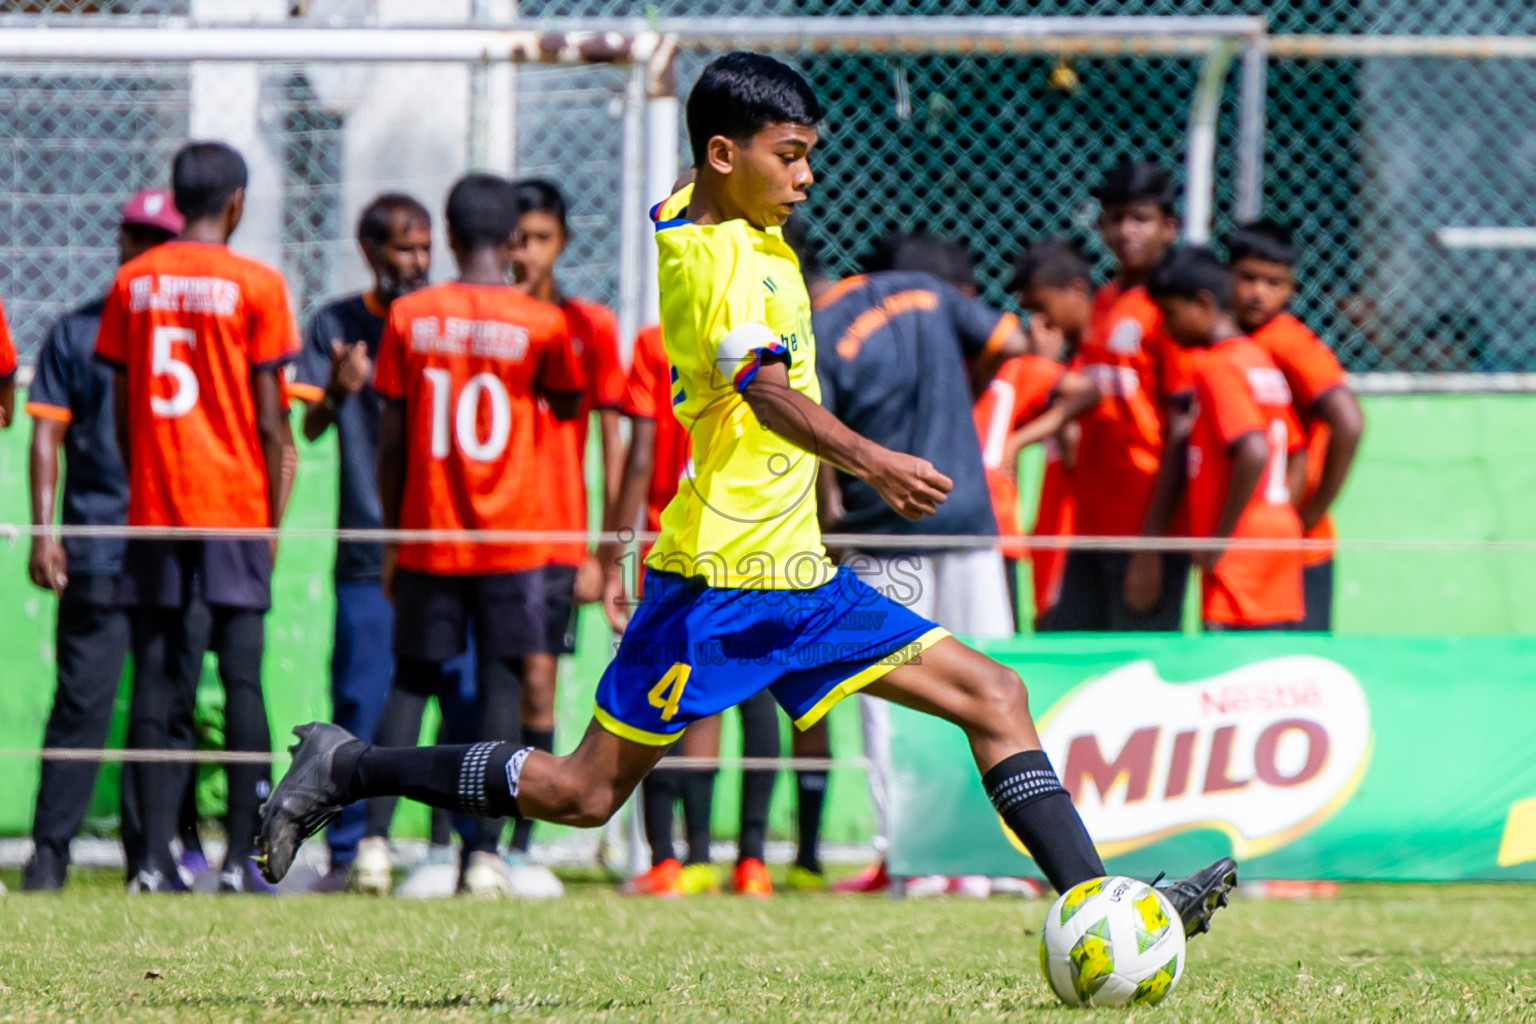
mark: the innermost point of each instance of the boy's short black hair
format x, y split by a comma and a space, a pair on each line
945, 258
1049, 263
203, 177
742, 93
540, 195
1188, 270
376, 221
482, 211
1137, 181
1265, 239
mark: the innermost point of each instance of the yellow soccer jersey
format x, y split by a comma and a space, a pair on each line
731, 293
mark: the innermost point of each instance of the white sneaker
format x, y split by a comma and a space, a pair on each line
1026, 888
371, 868
484, 875
436, 877
528, 880
976, 887
923, 886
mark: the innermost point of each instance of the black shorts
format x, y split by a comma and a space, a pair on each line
559, 609
1317, 592
1093, 596
175, 573
433, 612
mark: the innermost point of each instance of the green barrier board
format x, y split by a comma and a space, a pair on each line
1305, 757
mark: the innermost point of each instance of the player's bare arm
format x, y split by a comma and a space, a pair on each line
1340, 409
1250, 455
7, 403
1074, 396
350, 369
1144, 573
46, 564
908, 484
273, 434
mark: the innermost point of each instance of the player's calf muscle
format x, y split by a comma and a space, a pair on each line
554, 789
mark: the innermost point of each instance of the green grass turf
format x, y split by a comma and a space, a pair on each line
1390, 953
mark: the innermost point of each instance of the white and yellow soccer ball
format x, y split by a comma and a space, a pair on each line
1112, 942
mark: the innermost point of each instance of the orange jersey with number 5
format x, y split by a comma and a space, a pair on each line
469, 362
1240, 391
189, 322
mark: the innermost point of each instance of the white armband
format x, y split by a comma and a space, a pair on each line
743, 341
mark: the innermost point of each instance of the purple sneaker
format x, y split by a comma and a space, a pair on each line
190, 866
245, 877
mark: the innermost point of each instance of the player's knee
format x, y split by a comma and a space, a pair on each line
595, 806
1001, 696
581, 804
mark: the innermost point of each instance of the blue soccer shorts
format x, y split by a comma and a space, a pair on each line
692, 651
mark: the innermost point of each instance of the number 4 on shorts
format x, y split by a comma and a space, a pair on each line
667, 693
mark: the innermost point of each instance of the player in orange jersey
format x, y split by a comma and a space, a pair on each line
1246, 454
573, 576
1121, 485
1262, 259
461, 368
1053, 281
198, 336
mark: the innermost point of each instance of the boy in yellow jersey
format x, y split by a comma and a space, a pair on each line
739, 595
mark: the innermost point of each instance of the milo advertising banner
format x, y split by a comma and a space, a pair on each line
1303, 757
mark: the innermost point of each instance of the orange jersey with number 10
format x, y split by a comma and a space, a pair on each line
469, 361
189, 322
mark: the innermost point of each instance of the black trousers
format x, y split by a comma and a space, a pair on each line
160, 717
1093, 596
91, 641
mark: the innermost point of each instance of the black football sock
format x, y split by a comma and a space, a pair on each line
442, 827
538, 739
399, 728
759, 738
658, 797
478, 779
698, 803
811, 796
1031, 801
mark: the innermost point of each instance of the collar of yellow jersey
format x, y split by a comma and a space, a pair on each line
669, 212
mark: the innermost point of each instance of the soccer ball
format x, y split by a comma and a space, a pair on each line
1112, 942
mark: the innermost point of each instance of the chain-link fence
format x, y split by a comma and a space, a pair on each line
1369, 157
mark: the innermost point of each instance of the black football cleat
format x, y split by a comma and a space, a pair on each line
306, 799
1199, 896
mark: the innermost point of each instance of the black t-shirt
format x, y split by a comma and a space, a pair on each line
357, 428
72, 385
890, 352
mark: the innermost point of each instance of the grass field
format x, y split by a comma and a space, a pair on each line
1389, 953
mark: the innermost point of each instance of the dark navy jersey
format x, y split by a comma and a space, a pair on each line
73, 387
891, 351
349, 320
